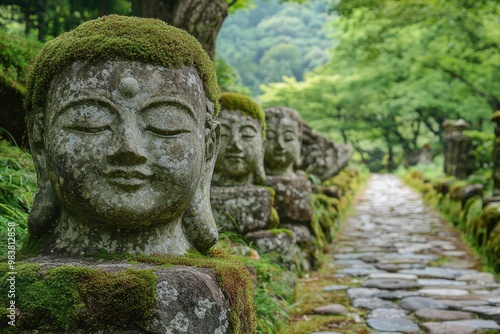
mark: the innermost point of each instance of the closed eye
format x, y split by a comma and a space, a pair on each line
165, 132
89, 129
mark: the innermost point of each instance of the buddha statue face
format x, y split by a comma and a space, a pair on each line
283, 144
125, 142
240, 155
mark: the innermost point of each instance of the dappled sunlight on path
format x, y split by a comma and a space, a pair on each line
398, 267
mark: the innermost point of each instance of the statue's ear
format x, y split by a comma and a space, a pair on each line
198, 221
45, 208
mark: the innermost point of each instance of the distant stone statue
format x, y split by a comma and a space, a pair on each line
238, 204
120, 113
282, 155
241, 157
283, 141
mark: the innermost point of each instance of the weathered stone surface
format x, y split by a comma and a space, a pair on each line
393, 325
387, 313
358, 271
438, 272
439, 282
335, 287
321, 156
447, 328
332, 309
293, 198
393, 276
396, 294
442, 315
189, 300
390, 267
355, 293
477, 277
283, 141
461, 304
122, 181
240, 161
390, 284
372, 303
490, 311
417, 303
248, 207
443, 292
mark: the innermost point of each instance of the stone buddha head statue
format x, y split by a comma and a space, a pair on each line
120, 115
240, 160
283, 141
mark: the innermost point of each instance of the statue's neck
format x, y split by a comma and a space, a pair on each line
224, 180
77, 236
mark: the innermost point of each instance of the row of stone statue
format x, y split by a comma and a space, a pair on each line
121, 120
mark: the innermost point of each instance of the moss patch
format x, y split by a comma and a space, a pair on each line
245, 104
120, 37
68, 297
233, 278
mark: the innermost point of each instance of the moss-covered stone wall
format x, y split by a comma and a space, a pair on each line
464, 206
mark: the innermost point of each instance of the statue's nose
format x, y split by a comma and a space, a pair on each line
128, 147
235, 143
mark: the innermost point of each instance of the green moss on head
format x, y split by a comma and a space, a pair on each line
112, 37
245, 104
496, 117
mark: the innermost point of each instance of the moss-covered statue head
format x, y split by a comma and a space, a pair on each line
120, 115
284, 141
241, 159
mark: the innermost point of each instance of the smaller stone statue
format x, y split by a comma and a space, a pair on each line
240, 158
238, 204
282, 153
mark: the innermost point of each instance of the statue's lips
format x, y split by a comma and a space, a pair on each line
128, 179
234, 156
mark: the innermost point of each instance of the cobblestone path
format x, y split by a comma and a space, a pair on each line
400, 268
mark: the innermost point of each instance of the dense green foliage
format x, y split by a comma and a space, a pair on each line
17, 191
16, 54
271, 40
398, 70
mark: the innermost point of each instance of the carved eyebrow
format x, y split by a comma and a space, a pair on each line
170, 101
90, 98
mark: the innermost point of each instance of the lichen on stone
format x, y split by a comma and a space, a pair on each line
233, 278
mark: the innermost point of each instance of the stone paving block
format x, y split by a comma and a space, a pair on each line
387, 313
417, 303
438, 272
439, 282
443, 292
396, 294
332, 309
335, 288
486, 310
447, 328
354, 293
477, 277
372, 303
391, 284
443, 315
393, 325
393, 276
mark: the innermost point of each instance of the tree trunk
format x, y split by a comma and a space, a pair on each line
201, 18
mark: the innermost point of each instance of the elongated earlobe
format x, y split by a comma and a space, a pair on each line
198, 221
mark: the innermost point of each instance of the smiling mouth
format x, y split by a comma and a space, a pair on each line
127, 180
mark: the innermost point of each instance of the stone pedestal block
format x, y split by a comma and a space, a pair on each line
293, 198
88, 296
281, 241
248, 206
